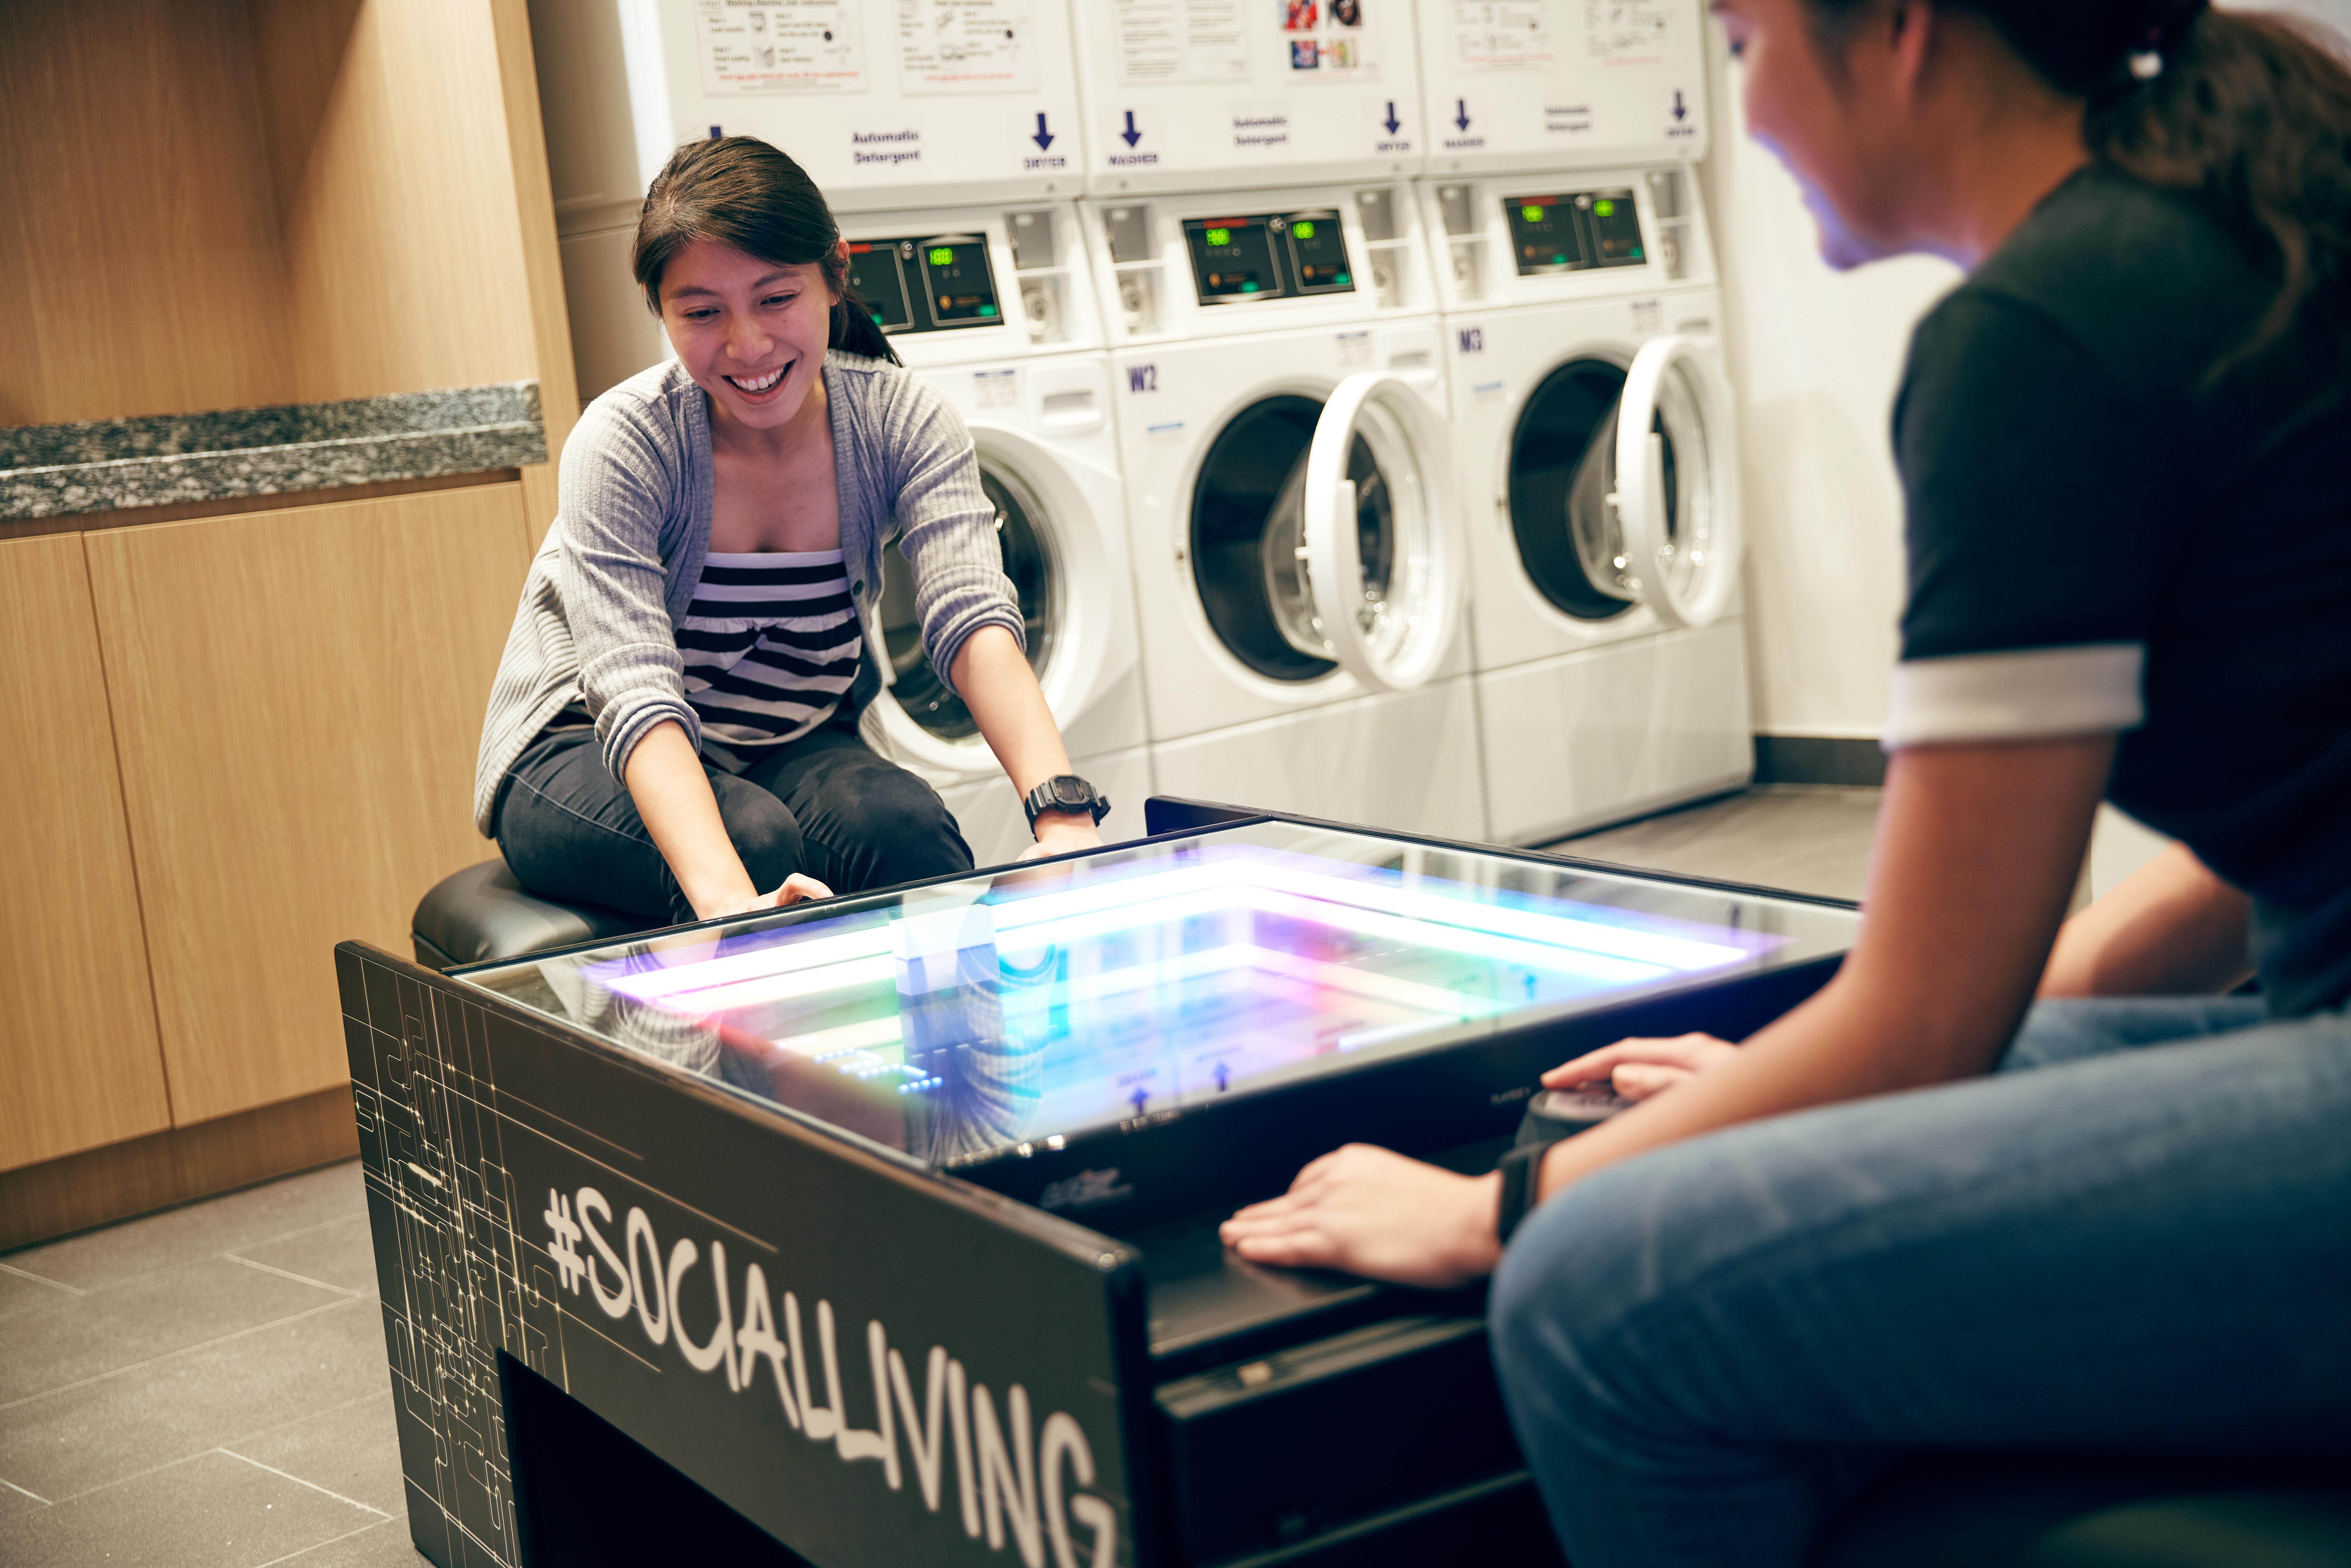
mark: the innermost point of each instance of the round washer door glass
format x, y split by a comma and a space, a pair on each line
1023, 535
1575, 522
1677, 495
1363, 551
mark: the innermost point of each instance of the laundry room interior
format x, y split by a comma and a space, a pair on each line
712, 555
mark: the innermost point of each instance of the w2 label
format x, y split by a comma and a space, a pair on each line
1142, 378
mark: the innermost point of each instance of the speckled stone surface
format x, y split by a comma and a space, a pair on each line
55, 470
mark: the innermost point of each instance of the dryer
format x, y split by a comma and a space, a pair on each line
1582, 322
1294, 502
994, 306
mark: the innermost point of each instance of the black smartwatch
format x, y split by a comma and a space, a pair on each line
1064, 792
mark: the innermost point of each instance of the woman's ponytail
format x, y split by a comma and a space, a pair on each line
741, 191
2251, 111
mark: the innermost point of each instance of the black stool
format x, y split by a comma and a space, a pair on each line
482, 914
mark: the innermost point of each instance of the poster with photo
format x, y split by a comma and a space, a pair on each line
1327, 37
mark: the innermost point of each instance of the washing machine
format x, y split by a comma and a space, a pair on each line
1598, 434
994, 306
1294, 502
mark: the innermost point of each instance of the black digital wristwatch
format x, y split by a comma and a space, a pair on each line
1064, 792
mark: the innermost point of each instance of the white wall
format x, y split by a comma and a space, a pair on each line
1815, 357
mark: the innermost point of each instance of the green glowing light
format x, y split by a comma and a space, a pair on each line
1558, 259
1249, 289
942, 255
1303, 230
1531, 213
987, 309
1605, 208
1345, 279
1637, 253
1220, 236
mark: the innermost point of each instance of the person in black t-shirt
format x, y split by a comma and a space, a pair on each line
1896, 1218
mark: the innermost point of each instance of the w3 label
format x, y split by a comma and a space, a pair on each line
1472, 340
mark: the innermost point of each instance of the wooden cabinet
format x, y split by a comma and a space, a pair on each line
297, 697
79, 1065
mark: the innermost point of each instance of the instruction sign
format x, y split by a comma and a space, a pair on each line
965, 46
778, 46
1163, 41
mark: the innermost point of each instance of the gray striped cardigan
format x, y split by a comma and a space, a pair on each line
608, 590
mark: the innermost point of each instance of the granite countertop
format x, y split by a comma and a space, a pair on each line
57, 470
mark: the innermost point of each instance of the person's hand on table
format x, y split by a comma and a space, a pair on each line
1061, 833
1637, 1069
795, 887
1371, 1212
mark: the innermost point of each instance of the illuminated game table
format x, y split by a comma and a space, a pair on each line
884, 1228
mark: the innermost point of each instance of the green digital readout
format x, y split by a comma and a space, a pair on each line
1303, 228
1605, 208
941, 256
1220, 236
1532, 214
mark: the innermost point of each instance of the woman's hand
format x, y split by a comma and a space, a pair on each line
796, 888
1061, 832
1637, 1069
1377, 1214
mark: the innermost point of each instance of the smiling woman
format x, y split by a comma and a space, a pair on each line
674, 728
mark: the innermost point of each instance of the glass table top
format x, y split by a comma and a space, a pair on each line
1026, 1005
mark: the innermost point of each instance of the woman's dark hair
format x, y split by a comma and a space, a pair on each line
740, 192
2249, 111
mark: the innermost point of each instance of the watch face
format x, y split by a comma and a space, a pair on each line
1073, 791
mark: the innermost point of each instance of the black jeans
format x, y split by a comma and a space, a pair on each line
823, 805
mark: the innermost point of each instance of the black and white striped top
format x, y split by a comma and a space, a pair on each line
770, 644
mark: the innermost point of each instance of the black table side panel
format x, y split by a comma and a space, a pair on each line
480, 1128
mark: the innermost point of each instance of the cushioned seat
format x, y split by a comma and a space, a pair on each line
2040, 1511
482, 914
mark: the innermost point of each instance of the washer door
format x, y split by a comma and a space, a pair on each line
1585, 538
1054, 560
1362, 553
1676, 498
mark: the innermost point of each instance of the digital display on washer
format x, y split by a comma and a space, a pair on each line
1574, 231
958, 1020
1268, 255
925, 283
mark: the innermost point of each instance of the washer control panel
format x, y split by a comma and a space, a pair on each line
925, 284
1574, 231
1268, 256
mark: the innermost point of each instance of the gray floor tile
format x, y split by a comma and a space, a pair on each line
353, 1449
21, 1291
61, 1444
211, 1511
385, 1545
1809, 837
72, 1338
341, 1255
199, 1230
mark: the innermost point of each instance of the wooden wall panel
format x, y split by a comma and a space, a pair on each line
299, 695
386, 128
138, 229
78, 1065
550, 320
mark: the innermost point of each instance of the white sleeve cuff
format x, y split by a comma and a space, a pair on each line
2028, 695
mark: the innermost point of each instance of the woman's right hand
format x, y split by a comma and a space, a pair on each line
796, 888
1637, 1069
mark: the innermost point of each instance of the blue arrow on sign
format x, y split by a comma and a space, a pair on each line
1680, 111
1392, 122
1130, 135
1461, 112
1044, 138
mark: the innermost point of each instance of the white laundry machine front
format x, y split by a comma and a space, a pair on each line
1293, 501
994, 306
1599, 440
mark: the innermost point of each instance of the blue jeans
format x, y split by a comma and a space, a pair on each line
823, 804
2136, 1236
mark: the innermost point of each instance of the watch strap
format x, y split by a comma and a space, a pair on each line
1521, 1171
